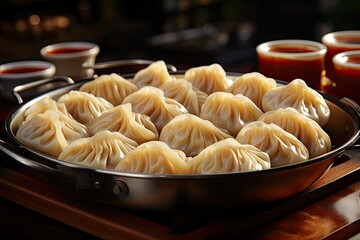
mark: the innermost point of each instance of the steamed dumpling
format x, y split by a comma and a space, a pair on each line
186, 94
229, 155
208, 79
103, 150
154, 157
41, 106
298, 95
305, 129
71, 128
253, 85
152, 102
44, 104
50, 132
121, 119
154, 75
84, 106
191, 134
113, 88
230, 112
283, 147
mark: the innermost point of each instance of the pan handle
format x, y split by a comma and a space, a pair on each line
18, 89
13, 152
121, 63
354, 106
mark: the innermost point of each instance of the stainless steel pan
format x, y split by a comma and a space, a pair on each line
186, 192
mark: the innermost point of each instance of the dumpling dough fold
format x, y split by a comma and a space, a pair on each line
227, 156
230, 112
309, 132
154, 157
50, 132
152, 102
136, 126
298, 95
103, 150
83, 106
191, 134
208, 79
186, 94
154, 75
253, 85
283, 147
113, 88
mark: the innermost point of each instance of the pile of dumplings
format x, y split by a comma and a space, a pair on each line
200, 122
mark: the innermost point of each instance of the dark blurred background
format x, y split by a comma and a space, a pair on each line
181, 32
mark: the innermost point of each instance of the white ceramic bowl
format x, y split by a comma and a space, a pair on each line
69, 58
18, 73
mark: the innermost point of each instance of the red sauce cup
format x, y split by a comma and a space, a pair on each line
337, 42
347, 74
69, 58
18, 73
290, 59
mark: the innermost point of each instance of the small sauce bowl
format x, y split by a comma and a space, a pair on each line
289, 59
347, 75
18, 73
69, 58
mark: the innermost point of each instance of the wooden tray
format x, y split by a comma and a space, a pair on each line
28, 188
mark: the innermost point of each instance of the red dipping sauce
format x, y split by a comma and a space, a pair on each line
347, 75
20, 70
292, 49
66, 50
290, 59
339, 42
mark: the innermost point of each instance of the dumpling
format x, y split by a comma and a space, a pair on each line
121, 119
208, 79
84, 106
50, 132
283, 147
186, 94
309, 132
298, 95
154, 75
41, 106
103, 150
152, 102
113, 88
230, 112
71, 128
229, 155
154, 157
44, 104
191, 134
253, 85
